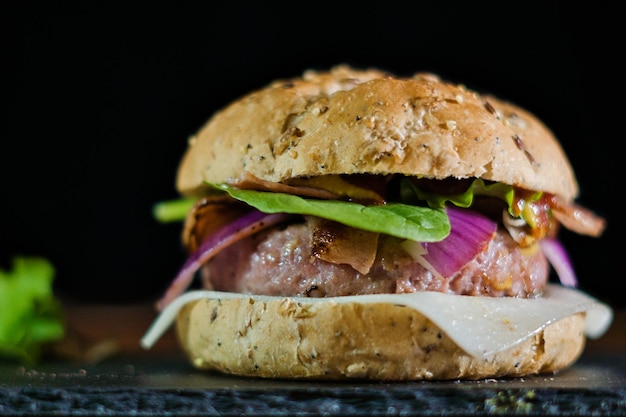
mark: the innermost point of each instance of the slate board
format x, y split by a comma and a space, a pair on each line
594, 386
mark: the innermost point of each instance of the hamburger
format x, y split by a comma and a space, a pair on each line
354, 224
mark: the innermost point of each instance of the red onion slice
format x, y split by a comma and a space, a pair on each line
470, 233
242, 227
560, 261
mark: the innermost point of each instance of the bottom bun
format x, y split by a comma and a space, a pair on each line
281, 338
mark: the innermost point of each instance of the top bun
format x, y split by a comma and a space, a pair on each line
350, 121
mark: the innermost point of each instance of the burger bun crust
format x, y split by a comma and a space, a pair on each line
350, 121
280, 338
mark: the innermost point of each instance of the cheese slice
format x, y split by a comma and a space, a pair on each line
481, 326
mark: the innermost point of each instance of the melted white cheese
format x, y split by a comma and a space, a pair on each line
481, 326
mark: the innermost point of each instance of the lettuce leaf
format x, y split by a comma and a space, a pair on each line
30, 315
410, 192
401, 220
172, 210
405, 221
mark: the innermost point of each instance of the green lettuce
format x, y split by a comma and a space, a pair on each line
172, 210
407, 218
396, 219
410, 192
30, 315
405, 221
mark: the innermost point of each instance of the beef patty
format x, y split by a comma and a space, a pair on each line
281, 262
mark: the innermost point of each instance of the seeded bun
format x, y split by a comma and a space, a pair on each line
280, 338
349, 121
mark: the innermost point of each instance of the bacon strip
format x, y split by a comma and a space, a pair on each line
248, 181
339, 244
577, 218
324, 187
207, 216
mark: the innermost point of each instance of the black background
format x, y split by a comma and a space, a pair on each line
99, 102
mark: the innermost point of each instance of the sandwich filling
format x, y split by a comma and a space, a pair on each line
472, 238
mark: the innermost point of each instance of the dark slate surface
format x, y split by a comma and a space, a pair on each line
360, 401
595, 386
